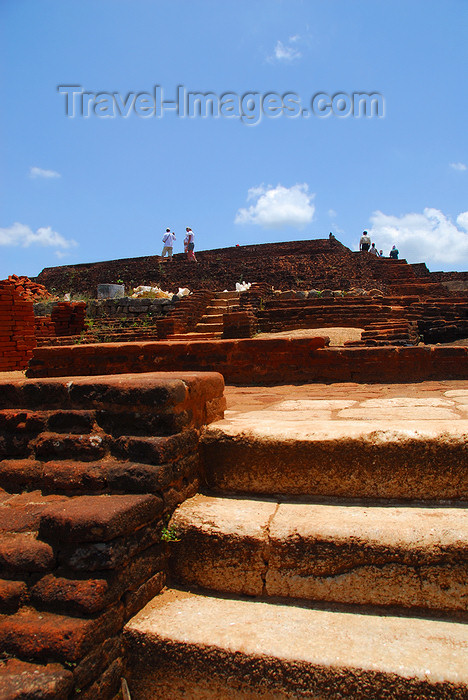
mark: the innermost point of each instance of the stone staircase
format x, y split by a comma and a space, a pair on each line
210, 325
399, 332
326, 559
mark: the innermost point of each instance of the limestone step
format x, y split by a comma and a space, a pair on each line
226, 295
187, 645
212, 318
194, 336
385, 449
219, 306
400, 556
209, 327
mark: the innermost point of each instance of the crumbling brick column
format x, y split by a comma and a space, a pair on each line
17, 333
68, 317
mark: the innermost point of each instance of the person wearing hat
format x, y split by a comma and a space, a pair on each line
168, 240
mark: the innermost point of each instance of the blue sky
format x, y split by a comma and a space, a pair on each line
76, 189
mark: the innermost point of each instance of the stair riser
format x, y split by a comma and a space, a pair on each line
404, 469
350, 572
241, 650
181, 671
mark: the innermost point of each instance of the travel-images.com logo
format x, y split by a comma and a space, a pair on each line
249, 107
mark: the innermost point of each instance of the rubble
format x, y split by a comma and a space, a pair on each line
29, 290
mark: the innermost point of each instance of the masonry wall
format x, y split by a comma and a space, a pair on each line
90, 472
17, 333
258, 361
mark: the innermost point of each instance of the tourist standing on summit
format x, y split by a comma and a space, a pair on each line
394, 253
364, 243
373, 250
168, 240
190, 243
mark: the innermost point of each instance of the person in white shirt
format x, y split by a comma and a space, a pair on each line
190, 244
168, 240
364, 242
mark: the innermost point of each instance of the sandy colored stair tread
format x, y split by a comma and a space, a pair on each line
284, 452
409, 557
222, 543
220, 647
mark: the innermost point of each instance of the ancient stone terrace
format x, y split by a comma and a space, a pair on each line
326, 556
316, 263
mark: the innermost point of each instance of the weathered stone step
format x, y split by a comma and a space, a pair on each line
225, 295
185, 645
209, 327
212, 318
422, 455
155, 471
219, 306
413, 557
194, 336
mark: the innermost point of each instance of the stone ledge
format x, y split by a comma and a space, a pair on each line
259, 361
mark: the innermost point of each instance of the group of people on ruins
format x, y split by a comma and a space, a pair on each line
189, 244
366, 245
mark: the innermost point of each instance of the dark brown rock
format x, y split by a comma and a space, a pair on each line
97, 518
12, 593
42, 635
91, 594
111, 555
25, 681
65, 446
22, 552
94, 664
71, 421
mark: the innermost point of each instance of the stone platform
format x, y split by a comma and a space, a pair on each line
326, 556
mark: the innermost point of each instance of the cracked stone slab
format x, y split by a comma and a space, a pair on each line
377, 555
373, 555
222, 543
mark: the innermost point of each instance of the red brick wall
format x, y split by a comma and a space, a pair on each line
68, 317
254, 361
92, 469
17, 334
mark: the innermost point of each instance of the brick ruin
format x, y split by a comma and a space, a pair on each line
90, 476
319, 263
101, 442
17, 332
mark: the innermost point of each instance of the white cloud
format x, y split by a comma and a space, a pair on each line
22, 235
332, 213
40, 172
286, 52
430, 237
277, 207
458, 166
462, 220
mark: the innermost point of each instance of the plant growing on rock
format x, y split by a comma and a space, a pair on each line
169, 534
